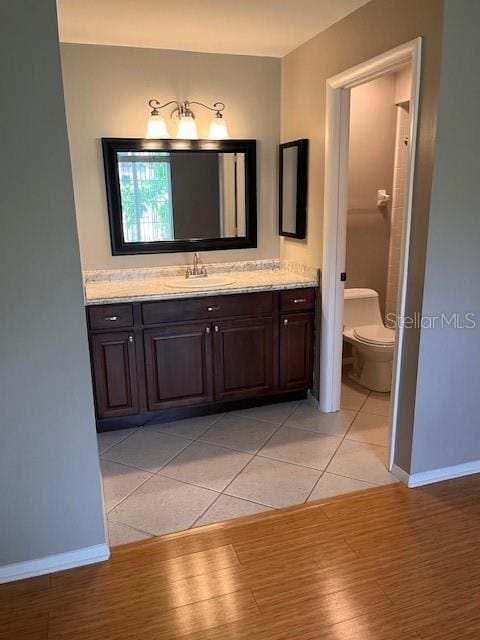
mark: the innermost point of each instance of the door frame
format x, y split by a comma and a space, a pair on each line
335, 218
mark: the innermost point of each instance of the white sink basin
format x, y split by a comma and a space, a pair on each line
210, 282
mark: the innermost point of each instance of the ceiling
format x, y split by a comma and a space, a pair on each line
247, 27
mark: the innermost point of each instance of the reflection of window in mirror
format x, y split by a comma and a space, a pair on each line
293, 188
168, 195
146, 195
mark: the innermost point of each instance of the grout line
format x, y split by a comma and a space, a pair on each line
336, 450
128, 495
129, 466
294, 464
129, 526
192, 526
340, 475
100, 453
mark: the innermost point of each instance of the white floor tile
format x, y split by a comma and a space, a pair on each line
362, 461
369, 427
307, 417
191, 428
301, 447
331, 485
276, 413
108, 439
237, 432
228, 508
353, 395
119, 481
206, 465
274, 483
121, 534
163, 505
378, 403
147, 450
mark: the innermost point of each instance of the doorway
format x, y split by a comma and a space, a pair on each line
335, 221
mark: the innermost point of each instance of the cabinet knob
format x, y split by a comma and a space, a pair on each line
215, 328
213, 308
130, 338
207, 330
285, 322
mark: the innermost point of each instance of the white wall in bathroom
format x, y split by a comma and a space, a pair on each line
106, 93
371, 155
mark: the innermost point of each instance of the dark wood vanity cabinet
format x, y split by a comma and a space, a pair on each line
296, 351
114, 374
243, 357
175, 358
178, 365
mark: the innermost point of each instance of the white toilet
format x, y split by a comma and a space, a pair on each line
373, 344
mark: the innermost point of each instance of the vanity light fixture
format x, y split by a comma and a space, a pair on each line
187, 128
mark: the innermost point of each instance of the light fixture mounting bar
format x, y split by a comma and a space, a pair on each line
184, 107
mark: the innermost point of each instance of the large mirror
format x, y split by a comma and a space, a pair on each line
293, 169
180, 195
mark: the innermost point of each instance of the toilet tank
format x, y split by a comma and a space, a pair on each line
361, 307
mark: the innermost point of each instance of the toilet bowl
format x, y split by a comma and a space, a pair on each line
373, 343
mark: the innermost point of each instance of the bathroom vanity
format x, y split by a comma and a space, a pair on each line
159, 359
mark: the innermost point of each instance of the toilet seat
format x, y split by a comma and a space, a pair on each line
375, 334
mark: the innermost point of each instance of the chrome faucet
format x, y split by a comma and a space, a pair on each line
197, 271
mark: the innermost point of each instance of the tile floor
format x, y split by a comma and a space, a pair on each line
163, 478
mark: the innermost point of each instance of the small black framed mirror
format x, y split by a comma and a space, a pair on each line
166, 196
293, 185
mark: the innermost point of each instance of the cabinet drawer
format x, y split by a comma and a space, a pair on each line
110, 316
297, 300
205, 308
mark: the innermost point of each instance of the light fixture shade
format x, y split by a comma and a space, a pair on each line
156, 127
218, 128
187, 129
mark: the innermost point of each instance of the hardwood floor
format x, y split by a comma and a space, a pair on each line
384, 564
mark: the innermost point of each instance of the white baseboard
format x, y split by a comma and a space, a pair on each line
51, 564
436, 475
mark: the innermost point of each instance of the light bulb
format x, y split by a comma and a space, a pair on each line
187, 129
218, 128
156, 127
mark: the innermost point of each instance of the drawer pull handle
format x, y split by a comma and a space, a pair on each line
299, 300
111, 318
285, 322
214, 308
130, 339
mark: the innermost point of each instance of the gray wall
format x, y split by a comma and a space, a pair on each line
50, 498
447, 422
375, 28
106, 94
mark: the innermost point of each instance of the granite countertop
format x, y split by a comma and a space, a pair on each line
139, 287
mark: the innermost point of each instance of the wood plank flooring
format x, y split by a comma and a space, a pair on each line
384, 564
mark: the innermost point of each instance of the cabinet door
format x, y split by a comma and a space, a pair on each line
114, 374
243, 357
178, 363
296, 351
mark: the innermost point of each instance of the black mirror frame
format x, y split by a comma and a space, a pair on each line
110, 148
302, 189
